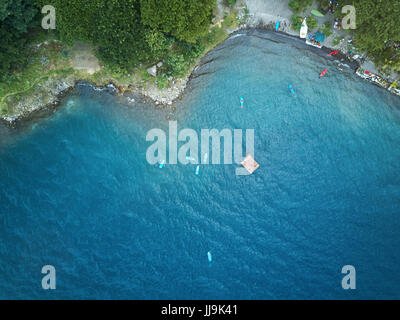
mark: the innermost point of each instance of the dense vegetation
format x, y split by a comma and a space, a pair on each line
378, 27
298, 6
378, 30
127, 33
16, 18
184, 19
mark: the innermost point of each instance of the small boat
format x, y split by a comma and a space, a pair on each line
197, 170
277, 26
323, 73
291, 88
205, 158
304, 29
333, 53
162, 164
241, 102
209, 256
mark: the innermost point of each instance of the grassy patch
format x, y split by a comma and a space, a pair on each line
327, 28
337, 40
45, 60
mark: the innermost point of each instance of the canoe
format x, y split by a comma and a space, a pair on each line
323, 73
277, 26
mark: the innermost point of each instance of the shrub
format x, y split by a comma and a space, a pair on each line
296, 22
176, 64
312, 23
157, 43
162, 81
298, 6
327, 29
336, 40
230, 2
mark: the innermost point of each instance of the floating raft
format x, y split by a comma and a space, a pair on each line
250, 164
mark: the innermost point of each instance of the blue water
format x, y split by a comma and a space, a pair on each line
77, 193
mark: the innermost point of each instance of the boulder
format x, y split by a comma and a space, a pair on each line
152, 71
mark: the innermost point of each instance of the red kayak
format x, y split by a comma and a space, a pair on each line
333, 53
323, 73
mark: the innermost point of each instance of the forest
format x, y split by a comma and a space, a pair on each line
125, 32
131, 32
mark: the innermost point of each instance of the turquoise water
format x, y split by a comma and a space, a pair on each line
77, 193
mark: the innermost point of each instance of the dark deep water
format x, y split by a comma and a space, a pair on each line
76, 191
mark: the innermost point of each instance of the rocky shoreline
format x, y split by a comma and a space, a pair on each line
50, 92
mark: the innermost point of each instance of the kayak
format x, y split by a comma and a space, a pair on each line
277, 26
209, 256
241, 102
162, 163
197, 170
333, 53
291, 88
323, 73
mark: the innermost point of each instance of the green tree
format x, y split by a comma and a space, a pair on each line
16, 17
162, 81
311, 22
378, 22
120, 34
75, 19
296, 22
157, 43
298, 6
184, 19
176, 64
114, 26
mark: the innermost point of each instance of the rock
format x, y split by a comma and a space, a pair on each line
152, 71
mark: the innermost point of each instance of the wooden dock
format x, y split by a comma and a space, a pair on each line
250, 164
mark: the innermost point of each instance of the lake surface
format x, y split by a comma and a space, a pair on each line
76, 191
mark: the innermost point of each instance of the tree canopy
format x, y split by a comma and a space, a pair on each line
378, 21
128, 32
16, 17
377, 29
184, 19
